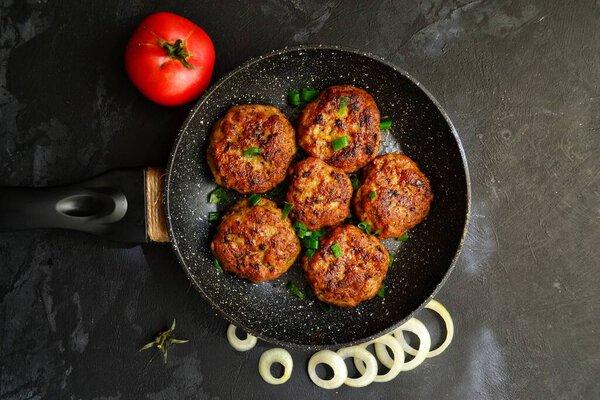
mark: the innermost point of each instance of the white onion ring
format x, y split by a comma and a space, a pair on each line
415, 326
368, 373
438, 308
340, 371
397, 362
276, 355
237, 343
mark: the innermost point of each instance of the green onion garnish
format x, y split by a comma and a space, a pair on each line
311, 243
294, 289
355, 181
301, 229
252, 152
218, 195
344, 101
213, 216
319, 234
403, 238
308, 94
276, 191
364, 226
335, 248
381, 292
310, 252
217, 265
377, 232
254, 199
372, 195
385, 123
391, 260
287, 207
339, 143
294, 97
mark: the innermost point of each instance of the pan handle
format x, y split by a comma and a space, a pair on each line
112, 205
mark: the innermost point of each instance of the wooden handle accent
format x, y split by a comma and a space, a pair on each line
156, 223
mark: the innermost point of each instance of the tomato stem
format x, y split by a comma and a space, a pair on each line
177, 51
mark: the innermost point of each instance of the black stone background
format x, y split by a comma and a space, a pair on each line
520, 80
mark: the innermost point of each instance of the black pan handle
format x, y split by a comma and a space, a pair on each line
112, 205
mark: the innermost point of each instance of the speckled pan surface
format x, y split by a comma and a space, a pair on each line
421, 130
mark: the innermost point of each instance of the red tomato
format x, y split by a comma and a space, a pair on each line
170, 59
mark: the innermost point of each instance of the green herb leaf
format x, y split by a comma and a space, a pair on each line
344, 101
294, 289
385, 123
213, 216
372, 195
217, 265
252, 152
254, 199
287, 207
355, 181
308, 94
294, 97
336, 250
339, 143
403, 238
218, 195
381, 292
163, 340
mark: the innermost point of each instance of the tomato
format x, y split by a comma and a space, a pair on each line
170, 59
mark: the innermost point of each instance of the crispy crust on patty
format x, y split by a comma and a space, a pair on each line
244, 127
353, 277
322, 121
402, 195
254, 242
320, 194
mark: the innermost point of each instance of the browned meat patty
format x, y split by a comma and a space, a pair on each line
319, 193
356, 275
254, 242
328, 118
251, 148
394, 195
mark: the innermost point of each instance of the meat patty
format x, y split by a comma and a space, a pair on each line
329, 117
319, 193
394, 195
356, 275
251, 148
254, 242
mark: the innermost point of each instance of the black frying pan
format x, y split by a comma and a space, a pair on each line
114, 205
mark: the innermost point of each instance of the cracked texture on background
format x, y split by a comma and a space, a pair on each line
520, 81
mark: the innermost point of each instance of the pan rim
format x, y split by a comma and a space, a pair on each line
206, 96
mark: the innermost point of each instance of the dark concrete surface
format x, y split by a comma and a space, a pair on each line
520, 80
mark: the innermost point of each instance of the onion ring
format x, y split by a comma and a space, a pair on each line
237, 343
276, 355
368, 373
396, 363
439, 309
340, 371
415, 326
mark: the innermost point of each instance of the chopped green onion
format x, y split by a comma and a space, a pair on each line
310, 295
310, 252
391, 260
355, 181
311, 243
301, 229
217, 265
294, 97
335, 248
218, 195
252, 152
381, 292
377, 232
344, 101
372, 195
308, 94
319, 233
339, 143
254, 199
287, 207
213, 216
294, 289
385, 123
403, 238
364, 226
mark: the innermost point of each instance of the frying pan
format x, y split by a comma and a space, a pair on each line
113, 205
